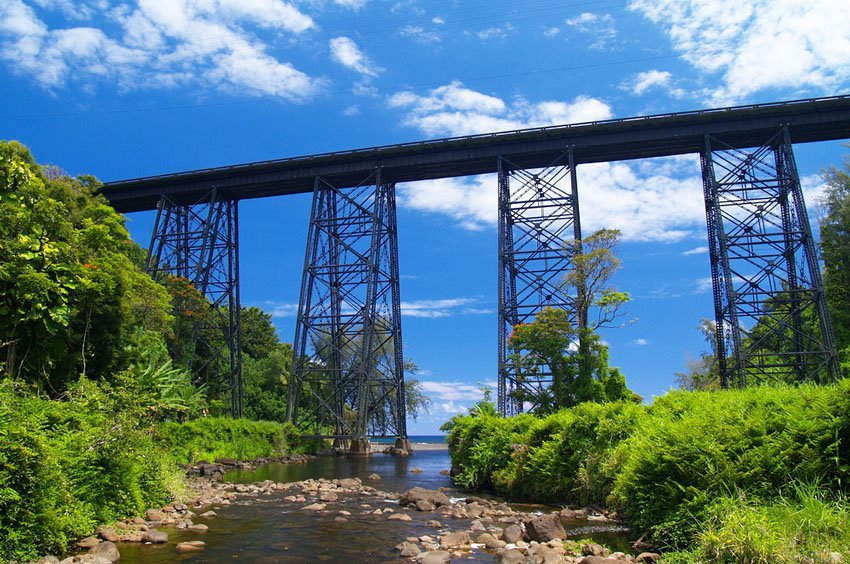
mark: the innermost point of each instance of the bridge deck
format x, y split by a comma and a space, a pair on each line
818, 119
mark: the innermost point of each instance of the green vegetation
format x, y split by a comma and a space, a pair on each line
210, 438
669, 465
574, 355
98, 404
835, 246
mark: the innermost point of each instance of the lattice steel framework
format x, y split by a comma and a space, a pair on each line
538, 214
348, 375
770, 309
199, 242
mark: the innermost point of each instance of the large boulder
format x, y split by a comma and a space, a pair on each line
545, 528
106, 550
512, 534
435, 557
455, 540
154, 536
413, 495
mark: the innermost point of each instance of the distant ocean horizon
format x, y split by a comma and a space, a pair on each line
420, 439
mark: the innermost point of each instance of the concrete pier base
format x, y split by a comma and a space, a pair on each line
359, 447
404, 444
340, 444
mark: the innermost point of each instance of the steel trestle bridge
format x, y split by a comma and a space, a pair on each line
347, 379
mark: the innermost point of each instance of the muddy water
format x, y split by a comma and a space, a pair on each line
268, 529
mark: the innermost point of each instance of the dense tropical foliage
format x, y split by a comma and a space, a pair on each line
100, 398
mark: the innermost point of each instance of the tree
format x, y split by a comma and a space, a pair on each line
72, 298
574, 354
259, 335
835, 246
703, 372
415, 399
549, 343
597, 303
264, 382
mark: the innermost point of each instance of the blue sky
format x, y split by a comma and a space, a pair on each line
127, 89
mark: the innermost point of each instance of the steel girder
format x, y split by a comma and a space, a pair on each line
538, 215
348, 373
772, 320
199, 242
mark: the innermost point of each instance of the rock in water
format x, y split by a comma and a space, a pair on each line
154, 536
545, 528
190, 546
436, 557
512, 534
408, 549
424, 505
454, 540
106, 550
510, 556
399, 517
593, 549
411, 496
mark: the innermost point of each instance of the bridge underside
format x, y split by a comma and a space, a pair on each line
347, 378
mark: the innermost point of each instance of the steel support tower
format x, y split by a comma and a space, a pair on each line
199, 242
772, 320
538, 215
347, 379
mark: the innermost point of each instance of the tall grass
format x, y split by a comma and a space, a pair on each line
210, 438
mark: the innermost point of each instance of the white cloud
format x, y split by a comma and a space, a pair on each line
640, 342
438, 20
158, 44
696, 251
643, 81
495, 32
635, 198
702, 285
351, 111
280, 309
435, 309
449, 408
353, 4
760, 44
551, 31
471, 201
599, 26
453, 109
451, 391
346, 52
420, 34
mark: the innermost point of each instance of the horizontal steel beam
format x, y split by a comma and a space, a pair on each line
818, 119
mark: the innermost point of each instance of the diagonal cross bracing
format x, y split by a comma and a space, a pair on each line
347, 378
772, 320
199, 242
538, 214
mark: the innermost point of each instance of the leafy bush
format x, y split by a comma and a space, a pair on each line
559, 458
67, 465
673, 467
700, 446
209, 438
568, 455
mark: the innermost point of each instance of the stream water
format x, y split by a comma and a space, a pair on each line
267, 529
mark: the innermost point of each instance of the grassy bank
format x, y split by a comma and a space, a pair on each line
95, 456
673, 467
